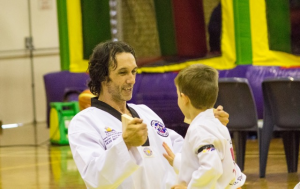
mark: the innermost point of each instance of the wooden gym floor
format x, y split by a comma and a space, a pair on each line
23, 164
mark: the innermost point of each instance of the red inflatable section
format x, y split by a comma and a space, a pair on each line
189, 28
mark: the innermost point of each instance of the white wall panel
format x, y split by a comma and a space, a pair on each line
15, 91
14, 24
44, 24
43, 65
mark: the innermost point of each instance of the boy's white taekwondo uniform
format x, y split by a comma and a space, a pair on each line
103, 160
207, 159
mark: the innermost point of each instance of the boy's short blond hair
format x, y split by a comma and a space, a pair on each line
200, 83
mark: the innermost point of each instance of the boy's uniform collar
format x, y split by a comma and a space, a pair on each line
206, 113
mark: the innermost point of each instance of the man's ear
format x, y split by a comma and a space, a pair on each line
104, 83
185, 98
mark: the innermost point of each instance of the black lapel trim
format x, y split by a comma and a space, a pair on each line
107, 108
133, 112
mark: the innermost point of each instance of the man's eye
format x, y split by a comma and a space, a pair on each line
122, 73
133, 72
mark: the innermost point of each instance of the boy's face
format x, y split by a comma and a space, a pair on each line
182, 105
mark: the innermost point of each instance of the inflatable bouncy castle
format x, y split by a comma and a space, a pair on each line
171, 34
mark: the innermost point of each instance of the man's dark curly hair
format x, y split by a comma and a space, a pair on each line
103, 57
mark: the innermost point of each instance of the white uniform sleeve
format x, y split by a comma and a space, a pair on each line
98, 167
209, 171
210, 163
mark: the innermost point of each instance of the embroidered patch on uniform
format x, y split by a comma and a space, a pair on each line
240, 178
160, 127
206, 148
111, 135
237, 180
147, 151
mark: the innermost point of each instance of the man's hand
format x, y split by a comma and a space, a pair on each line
221, 115
135, 132
170, 155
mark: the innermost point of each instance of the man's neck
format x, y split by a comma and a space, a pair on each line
117, 105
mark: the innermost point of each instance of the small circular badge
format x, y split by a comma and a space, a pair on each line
147, 151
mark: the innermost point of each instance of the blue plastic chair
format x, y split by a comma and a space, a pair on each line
235, 95
281, 113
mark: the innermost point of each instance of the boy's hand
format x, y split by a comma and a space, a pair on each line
221, 115
170, 155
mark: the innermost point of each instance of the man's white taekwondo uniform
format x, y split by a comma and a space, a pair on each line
102, 158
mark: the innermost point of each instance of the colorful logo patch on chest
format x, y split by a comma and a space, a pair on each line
160, 127
110, 135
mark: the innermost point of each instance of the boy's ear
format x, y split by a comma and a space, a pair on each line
185, 98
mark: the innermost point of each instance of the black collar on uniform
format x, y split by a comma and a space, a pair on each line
107, 108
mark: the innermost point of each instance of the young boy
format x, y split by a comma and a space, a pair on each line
207, 159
